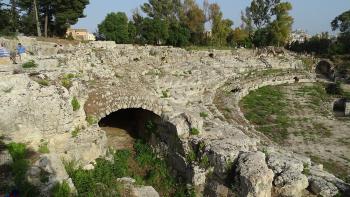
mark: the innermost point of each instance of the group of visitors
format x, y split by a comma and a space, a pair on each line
18, 52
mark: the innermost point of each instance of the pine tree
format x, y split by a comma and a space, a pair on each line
115, 28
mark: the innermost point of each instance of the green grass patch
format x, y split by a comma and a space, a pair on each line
316, 93
75, 104
267, 108
30, 64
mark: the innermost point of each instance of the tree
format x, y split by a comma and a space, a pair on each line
342, 22
261, 12
5, 20
162, 9
239, 37
56, 16
281, 27
115, 28
178, 35
194, 19
154, 31
67, 13
220, 28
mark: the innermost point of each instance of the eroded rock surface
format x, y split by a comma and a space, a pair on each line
179, 86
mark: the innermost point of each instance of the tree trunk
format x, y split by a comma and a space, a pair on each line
14, 15
46, 22
37, 19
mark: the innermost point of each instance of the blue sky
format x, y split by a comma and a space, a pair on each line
311, 15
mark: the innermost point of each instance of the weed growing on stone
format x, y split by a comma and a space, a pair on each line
43, 147
194, 131
30, 64
43, 82
91, 120
75, 104
165, 94
191, 156
75, 132
203, 114
204, 162
67, 80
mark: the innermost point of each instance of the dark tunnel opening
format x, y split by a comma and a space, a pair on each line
124, 126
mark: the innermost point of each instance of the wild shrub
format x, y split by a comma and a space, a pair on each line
30, 64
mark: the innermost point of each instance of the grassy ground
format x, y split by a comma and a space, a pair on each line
299, 117
267, 109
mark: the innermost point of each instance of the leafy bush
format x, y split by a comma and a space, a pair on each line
30, 64
75, 104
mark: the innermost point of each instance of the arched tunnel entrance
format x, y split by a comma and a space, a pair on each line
125, 125
150, 144
324, 69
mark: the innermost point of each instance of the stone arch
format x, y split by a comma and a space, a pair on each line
103, 105
325, 69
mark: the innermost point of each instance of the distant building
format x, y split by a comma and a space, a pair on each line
299, 36
80, 34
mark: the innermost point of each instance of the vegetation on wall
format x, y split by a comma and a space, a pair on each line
142, 165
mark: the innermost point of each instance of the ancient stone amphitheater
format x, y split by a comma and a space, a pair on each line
178, 86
